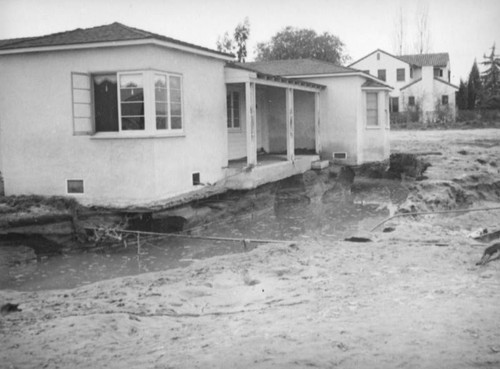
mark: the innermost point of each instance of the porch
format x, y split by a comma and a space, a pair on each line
273, 127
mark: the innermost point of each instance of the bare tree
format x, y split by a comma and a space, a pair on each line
400, 33
423, 36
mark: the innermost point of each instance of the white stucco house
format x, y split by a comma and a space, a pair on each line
420, 81
114, 115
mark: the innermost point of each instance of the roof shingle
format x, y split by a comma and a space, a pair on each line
296, 67
114, 32
420, 60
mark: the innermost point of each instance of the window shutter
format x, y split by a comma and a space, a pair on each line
82, 104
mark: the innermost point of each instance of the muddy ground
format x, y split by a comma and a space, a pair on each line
412, 298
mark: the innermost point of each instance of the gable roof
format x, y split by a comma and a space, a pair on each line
297, 67
115, 32
419, 60
435, 79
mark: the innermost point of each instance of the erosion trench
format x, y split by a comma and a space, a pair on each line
413, 297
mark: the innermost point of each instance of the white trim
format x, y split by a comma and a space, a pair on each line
293, 86
134, 134
95, 45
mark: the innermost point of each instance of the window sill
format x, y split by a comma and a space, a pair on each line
134, 135
234, 130
372, 127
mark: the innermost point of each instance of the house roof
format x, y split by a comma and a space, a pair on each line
297, 67
115, 32
274, 77
373, 83
419, 60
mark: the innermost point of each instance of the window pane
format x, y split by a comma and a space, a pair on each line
131, 81
106, 103
176, 122
161, 123
175, 96
132, 109
160, 94
371, 101
132, 94
161, 108
175, 82
175, 109
371, 118
132, 123
160, 81
236, 121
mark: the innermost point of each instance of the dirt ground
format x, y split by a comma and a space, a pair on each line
412, 298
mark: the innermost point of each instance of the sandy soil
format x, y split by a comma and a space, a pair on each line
413, 298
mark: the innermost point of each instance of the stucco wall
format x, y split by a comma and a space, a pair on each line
40, 151
304, 111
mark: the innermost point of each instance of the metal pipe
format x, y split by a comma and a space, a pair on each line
434, 212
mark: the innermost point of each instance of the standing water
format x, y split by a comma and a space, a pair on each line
290, 210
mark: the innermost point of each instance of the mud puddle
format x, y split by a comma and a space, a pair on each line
297, 209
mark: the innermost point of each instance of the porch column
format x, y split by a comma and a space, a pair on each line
317, 122
290, 126
251, 123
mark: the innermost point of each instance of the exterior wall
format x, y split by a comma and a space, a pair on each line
276, 119
304, 110
40, 151
237, 141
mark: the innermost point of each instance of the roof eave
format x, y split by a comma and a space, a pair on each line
94, 45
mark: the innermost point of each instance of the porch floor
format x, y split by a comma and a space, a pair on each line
270, 168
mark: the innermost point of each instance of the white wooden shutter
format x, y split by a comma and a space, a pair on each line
82, 104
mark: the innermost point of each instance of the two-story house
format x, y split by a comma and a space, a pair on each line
421, 82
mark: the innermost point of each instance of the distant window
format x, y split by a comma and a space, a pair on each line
378, 56
381, 74
75, 186
394, 105
438, 72
371, 109
233, 109
444, 99
411, 101
367, 71
411, 72
400, 74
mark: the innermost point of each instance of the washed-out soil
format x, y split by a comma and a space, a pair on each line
411, 298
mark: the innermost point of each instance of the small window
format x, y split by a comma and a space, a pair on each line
372, 109
444, 99
438, 72
378, 56
233, 109
340, 155
411, 72
394, 105
400, 74
75, 186
196, 179
411, 101
381, 74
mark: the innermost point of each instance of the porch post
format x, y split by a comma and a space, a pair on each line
317, 127
290, 126
251, 123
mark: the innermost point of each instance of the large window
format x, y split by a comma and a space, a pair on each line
138, 101
381, 74
372, 109
233, 109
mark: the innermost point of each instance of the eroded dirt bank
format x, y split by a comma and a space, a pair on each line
412, 298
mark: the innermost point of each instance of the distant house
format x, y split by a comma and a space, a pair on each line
114, 115
421, 82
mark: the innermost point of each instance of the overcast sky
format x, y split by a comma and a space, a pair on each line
466, 29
